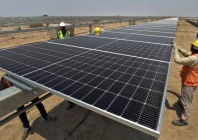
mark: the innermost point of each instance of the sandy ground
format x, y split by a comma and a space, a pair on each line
44, 25
81, 124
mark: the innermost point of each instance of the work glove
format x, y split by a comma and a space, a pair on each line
174, 45
175, 48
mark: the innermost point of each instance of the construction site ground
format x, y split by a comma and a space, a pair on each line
82, 124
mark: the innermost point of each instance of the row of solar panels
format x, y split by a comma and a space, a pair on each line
120, 75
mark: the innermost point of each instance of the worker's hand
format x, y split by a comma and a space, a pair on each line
175, 51
179, 48
174, 46
173, 42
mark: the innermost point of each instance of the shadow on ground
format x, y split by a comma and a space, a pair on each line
81, 124
193, 23
176, 105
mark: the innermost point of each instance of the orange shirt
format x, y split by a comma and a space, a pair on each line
189, 74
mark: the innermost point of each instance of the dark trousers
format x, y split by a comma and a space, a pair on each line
23, 116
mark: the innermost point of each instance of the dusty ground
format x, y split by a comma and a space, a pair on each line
44, 25
97, 127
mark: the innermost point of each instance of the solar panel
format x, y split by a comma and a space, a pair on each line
153, 39
85, 41
110, 74
140, 49
152, 29
111, 35
91, 75
143, 32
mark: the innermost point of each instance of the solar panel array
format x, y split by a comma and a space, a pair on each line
121, 74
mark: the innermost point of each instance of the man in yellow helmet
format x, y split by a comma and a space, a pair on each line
63, 33
98, 30
189, 78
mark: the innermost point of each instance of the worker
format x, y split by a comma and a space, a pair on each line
23, 117
63, 33
90, 27
189, 78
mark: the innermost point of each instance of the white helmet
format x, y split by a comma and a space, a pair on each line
62, 24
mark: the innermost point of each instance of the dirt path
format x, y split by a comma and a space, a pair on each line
97, 127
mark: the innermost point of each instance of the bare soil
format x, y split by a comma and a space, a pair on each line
97, 127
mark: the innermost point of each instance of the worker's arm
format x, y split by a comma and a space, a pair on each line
183, 52
180, 49
188, 61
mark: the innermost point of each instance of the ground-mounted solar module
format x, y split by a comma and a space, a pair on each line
121, 79
153, 39
111, 35
129, 31
152, 29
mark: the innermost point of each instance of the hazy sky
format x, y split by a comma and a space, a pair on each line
99, 7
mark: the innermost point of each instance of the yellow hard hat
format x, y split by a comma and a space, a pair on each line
98, 30
195, 44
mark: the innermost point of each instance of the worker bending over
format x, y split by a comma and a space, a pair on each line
189, 78
63, 33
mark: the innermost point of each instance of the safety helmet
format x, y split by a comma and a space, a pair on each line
98, 30
195, 44
62, 24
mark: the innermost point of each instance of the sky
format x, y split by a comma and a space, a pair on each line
99, 7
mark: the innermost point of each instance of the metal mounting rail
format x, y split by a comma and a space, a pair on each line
20, 85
